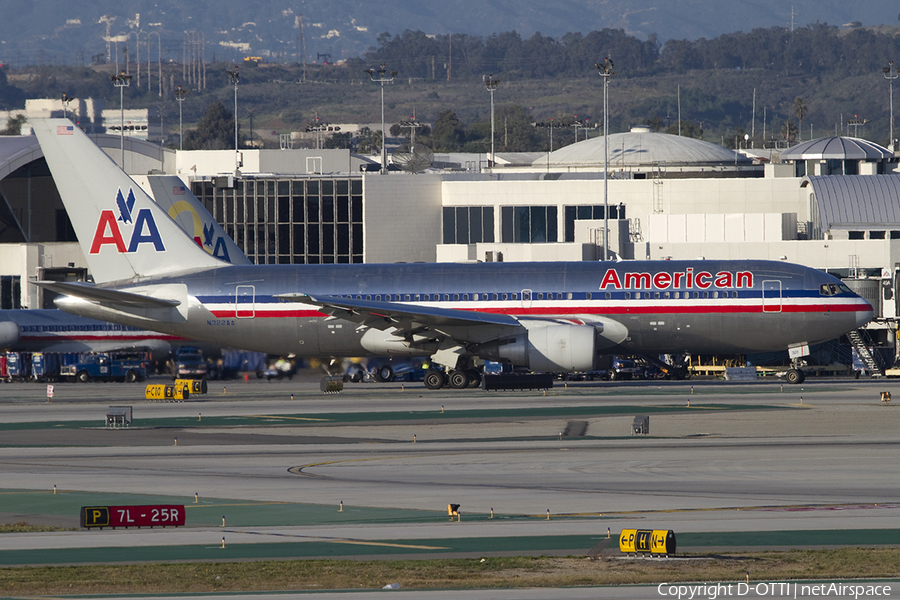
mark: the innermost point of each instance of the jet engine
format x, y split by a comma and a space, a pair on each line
550, 347
9, 334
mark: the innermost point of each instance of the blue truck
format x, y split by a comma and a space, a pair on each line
128, 366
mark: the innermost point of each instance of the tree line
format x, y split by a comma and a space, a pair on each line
814, 49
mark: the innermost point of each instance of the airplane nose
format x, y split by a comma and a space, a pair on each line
864, 315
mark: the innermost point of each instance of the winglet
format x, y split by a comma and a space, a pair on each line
124, 234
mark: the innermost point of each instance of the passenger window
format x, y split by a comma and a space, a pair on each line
715, 294
696, 294
706, 294
540, 295
627, 295
656, 295
667, 295
569, 296
446, 297
504, 296
587, 296
495, 296
475, 297
407, 297
559, 296
637, 295
514, 296
378, 297
465, 296
608, 295
368, 296
456, 297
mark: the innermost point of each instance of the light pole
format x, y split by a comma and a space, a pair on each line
384, 76
891, 74
121, 81
605, 71
491, 85
235, 78
180, 93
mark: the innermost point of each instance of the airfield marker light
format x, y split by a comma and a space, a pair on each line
608, 533
414, 438
292, 397
689, 403
223, 542
458, 514
176, 441
782, 387
224, 391
801, 400
548, 514
492, 512
748, 576
692, 389
442, 409
54, 489
199, 416
341, 509
223, 520
196, 497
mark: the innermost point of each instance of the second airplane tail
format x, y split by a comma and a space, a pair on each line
123, 233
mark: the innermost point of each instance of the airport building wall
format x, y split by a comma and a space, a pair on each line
402, 218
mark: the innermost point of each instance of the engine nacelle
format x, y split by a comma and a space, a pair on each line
9, 334
550, 348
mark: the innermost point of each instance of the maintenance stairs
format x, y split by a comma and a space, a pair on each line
861, 341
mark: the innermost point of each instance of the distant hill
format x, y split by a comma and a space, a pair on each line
71, 31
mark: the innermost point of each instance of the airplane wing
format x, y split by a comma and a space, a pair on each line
104, 295
403, 317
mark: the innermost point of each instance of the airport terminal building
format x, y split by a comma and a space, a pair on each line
833, 204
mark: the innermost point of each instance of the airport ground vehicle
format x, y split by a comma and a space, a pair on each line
127, 366
188, 363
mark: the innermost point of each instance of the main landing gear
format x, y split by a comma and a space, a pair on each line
794, 376
458, 379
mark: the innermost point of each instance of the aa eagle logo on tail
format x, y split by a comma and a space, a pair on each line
143, 229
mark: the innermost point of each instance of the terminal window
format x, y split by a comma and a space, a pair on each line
10, 292
468, 224
290, 221
528, 224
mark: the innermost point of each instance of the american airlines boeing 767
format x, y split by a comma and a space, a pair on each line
558, 317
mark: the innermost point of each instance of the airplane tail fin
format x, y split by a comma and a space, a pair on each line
123, 233
182, 205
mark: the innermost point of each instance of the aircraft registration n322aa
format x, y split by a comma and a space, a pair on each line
558, 317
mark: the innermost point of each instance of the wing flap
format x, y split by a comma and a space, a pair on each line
384, 315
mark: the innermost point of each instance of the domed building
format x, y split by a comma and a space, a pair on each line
641, 154
839, 156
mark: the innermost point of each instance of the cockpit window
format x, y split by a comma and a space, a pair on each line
844, 288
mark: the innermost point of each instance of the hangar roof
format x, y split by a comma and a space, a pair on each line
840, 148
854, 200
642, 147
